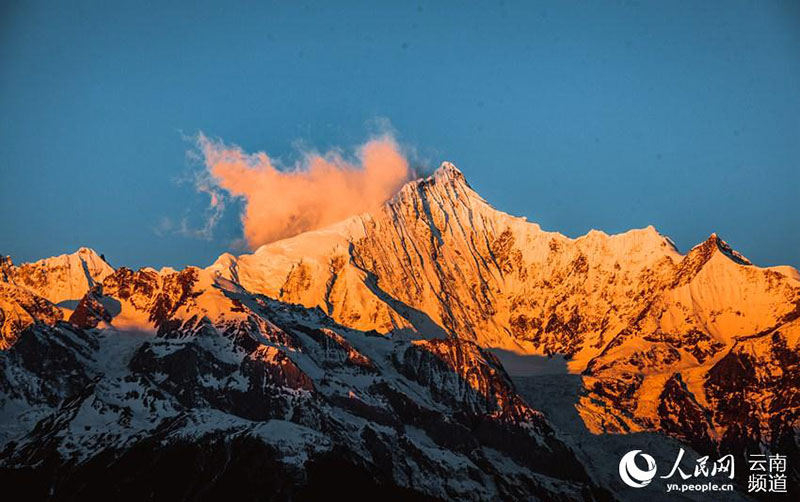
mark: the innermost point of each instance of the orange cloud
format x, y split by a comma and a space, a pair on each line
318, 191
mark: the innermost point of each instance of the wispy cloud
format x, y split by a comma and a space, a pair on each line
281, 201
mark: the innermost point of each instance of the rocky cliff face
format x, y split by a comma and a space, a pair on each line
19, 308
383, 319
47, 290
191, 373
60, 279
648, 327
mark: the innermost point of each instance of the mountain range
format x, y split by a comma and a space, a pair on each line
373, 354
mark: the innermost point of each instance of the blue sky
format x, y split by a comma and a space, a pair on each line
578, 115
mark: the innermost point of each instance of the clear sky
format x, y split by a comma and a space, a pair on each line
684, 115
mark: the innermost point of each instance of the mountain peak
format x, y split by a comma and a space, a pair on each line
84, 251
84, 257
448, 172
716, 244
448, 169
66, 277
445, 183
728, 251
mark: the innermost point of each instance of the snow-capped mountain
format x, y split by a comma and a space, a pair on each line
656, 334
60, 279
47, 289
364, 344
187, 384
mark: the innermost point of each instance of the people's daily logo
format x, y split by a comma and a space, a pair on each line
767, 472
631, 474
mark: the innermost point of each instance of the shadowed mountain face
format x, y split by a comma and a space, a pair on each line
660, 337
364, 344
185, 385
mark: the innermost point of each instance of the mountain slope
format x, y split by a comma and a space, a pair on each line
60, 279
647, 326
157, 370
47, 290
385, 317
437, 258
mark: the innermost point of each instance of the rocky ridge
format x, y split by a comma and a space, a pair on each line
188, 372
700, 346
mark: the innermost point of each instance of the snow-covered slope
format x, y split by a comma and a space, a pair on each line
19, 308
701, 346
47, 290
206, 377
636, 317
62, 280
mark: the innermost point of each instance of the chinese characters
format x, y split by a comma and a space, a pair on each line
767, 473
